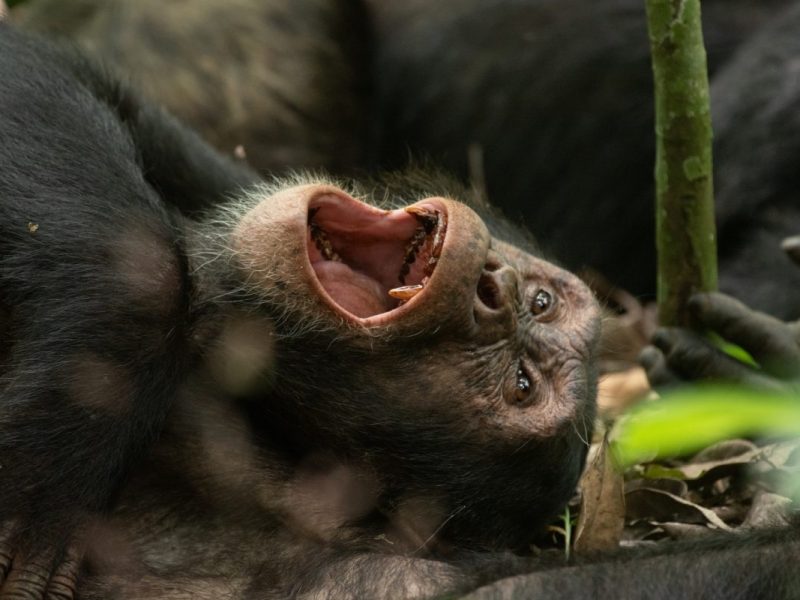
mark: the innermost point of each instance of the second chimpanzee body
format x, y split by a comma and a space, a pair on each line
549, 105
279, 83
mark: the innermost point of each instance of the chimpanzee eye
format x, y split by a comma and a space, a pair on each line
519, 391
523, 387
542, 302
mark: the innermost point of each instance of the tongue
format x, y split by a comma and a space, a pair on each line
355, 292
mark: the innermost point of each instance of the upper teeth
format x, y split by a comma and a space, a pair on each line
414, 244
322, 243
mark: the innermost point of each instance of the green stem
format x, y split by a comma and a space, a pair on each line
686, 234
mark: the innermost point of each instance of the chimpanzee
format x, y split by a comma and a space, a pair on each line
216, 387
442, 375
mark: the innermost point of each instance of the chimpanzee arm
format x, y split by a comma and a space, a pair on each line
353, 578
185, 171
757, 565
379, 576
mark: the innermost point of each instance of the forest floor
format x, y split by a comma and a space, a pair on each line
733, 485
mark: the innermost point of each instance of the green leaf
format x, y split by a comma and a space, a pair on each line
687, 420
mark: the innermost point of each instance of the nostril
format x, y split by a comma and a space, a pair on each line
488, 293
492, 265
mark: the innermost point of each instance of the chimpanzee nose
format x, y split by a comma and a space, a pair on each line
496, 296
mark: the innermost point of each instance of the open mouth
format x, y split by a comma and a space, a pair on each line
371, 261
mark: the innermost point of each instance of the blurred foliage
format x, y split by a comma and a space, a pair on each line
12, 3
567, 518
689, 419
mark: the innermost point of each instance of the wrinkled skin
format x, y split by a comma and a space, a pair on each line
199, 377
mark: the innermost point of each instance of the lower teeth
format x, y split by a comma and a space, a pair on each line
323, 244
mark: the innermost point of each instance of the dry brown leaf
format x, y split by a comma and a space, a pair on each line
618, 391
676, 487
731, 513
657, 505
763, 459
768, 510
724, 450
683, 531
602, 513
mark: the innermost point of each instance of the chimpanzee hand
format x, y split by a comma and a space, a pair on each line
679, 354
46, 571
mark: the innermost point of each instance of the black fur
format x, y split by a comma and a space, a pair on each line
93, 281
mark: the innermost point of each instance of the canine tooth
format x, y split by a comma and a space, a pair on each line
406, 292
420, 211
429, 218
